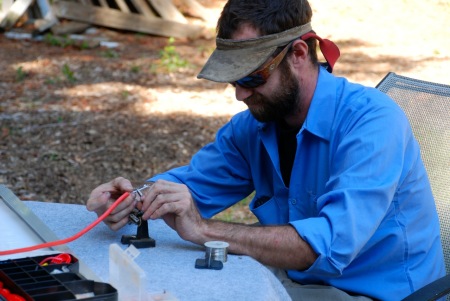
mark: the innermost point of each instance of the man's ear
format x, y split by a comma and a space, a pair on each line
300, 51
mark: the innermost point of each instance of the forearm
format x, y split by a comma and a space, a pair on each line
277, 246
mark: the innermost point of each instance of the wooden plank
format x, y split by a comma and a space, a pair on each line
49, 18
45, 9
123, 6
114, 18
103, 3
143, 8
6, 5
167, 10
42, 25
194, 9
16, 10
69, 27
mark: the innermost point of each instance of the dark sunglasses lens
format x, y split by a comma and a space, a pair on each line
252, 81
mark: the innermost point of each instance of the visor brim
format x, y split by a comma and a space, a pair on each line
235, 59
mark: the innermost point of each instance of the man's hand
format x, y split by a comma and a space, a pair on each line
102, 197
173, 202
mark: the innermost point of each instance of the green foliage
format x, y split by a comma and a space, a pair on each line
125, 94
20, 74
70, 76
170, 59
58, 41
52, 81
110, 54
52, 155
84, 45
135, 69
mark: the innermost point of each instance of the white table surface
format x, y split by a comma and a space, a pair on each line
169, 266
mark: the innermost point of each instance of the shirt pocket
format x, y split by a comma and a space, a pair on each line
268, 210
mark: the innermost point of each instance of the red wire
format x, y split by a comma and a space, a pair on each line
72, 238
59, 259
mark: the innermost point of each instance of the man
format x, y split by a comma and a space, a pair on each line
342, 196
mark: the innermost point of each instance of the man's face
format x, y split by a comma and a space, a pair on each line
278, 97
277, 103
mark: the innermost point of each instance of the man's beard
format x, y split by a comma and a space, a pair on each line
281, 103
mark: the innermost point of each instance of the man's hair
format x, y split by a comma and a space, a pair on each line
267, 17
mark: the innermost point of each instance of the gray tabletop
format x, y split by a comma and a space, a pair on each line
169, 266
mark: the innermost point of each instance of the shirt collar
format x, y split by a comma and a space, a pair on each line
322, 109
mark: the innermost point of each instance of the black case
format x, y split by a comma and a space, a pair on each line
53, 282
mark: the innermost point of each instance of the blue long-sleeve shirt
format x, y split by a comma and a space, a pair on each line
359, 193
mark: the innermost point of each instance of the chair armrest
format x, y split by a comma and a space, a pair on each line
431, 291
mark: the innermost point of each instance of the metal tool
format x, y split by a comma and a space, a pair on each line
138, 191
141, 239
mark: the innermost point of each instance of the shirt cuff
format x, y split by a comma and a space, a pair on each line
317, 233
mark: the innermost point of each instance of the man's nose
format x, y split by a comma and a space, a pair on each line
243, 93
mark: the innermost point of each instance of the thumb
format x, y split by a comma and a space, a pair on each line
98, 201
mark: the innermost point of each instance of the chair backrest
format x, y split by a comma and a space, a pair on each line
427, 106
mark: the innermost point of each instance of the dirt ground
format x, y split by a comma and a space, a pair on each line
72, 118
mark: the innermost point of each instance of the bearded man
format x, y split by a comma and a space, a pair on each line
342, 197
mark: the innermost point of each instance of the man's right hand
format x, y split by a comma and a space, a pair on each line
102, 197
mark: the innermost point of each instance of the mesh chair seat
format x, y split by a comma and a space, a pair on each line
427, 106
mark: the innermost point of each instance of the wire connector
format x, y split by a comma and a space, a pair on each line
138, 192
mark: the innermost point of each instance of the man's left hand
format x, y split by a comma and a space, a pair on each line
173, 202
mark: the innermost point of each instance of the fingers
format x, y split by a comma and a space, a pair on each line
122, 184
118, 219
100, 196
124, 207
173, 202
165, 197
97, 200
164, 204
118, 225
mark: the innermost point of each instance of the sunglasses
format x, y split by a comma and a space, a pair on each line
260, 76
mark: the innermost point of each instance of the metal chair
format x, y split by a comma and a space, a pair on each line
427, 106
